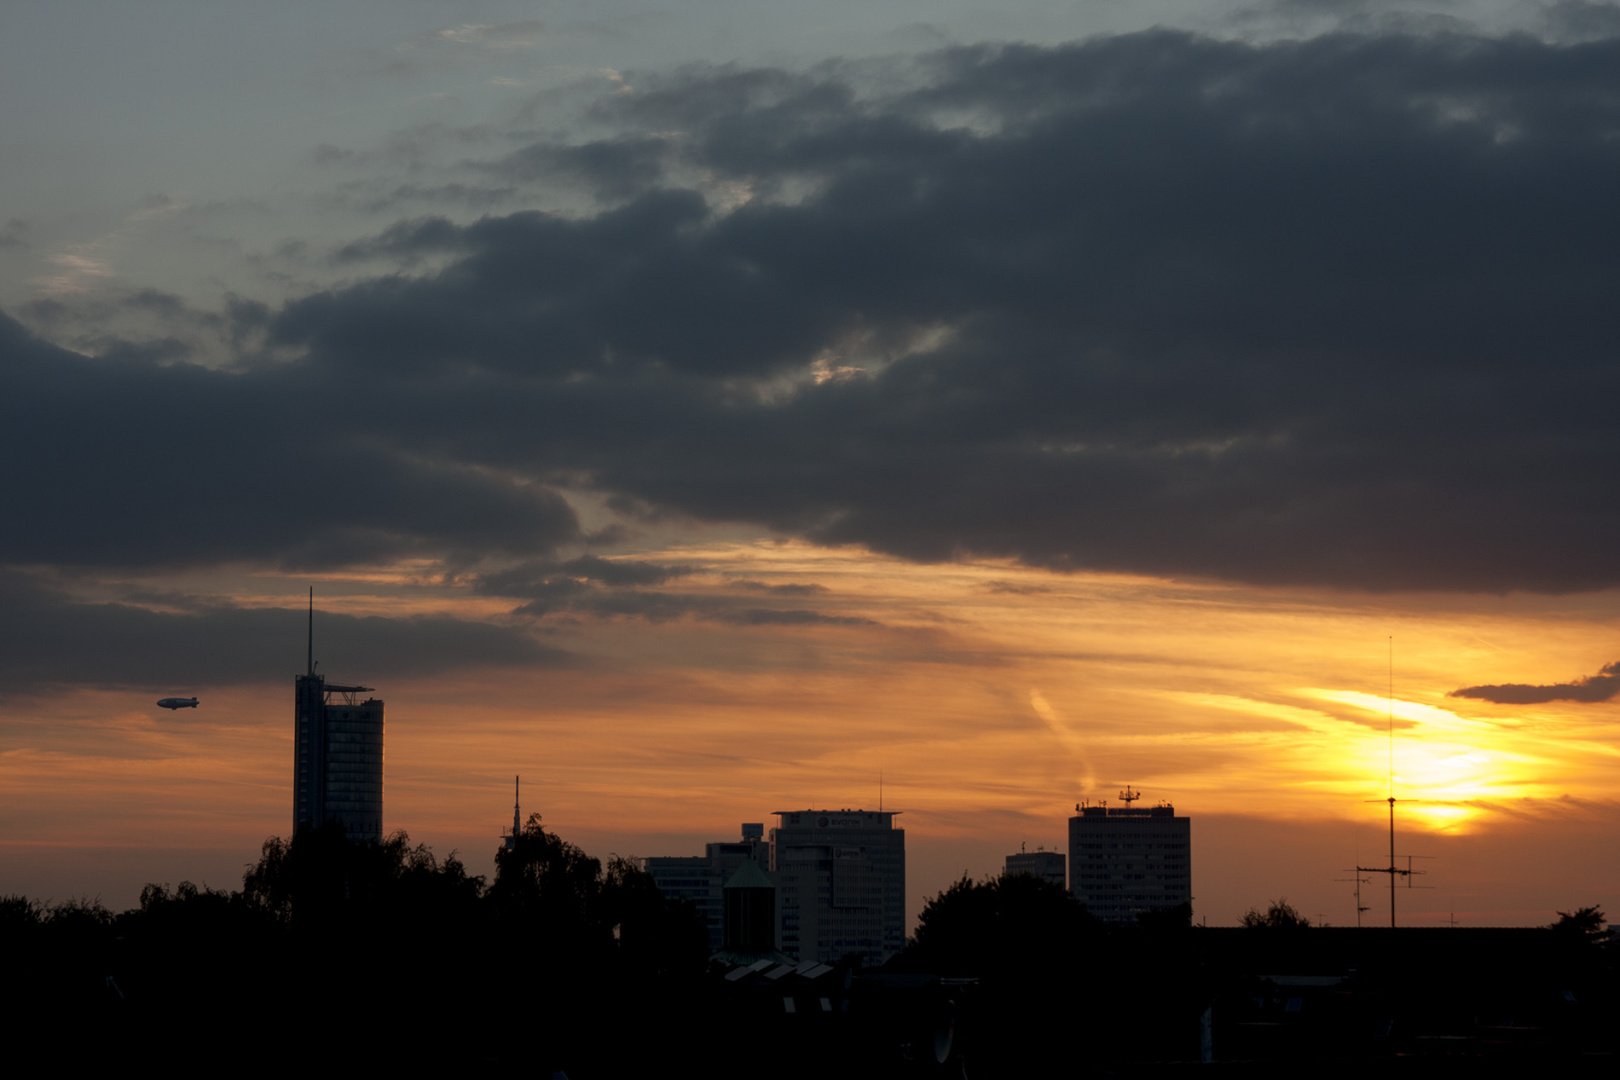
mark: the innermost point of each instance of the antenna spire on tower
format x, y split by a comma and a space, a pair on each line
1392, 718
310, 659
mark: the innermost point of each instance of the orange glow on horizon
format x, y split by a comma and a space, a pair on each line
990, 697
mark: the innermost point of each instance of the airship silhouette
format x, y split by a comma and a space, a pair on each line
178, 703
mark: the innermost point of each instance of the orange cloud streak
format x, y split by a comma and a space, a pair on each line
989, 697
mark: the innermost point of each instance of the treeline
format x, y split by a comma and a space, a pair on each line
366, 953
352, 955
1055, 991
1048, 990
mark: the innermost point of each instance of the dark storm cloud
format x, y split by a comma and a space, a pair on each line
1336, 311
611, 168
244, 319
622, 571
132, 462
1581, 20
789, 589
405, 240
615, 588
54, 640
12, 233
524, 580
327, 154
383, 197
1589, 688
657, 607
157, 302
158, 352
795, 617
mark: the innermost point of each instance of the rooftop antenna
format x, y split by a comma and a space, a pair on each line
880, 791
1390, 698
1392, 870
1360, 881
1128, 796
311, 658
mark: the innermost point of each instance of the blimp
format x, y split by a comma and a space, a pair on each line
178, 703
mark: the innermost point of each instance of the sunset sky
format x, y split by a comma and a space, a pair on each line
712, 409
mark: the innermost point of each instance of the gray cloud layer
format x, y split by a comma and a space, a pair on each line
1590, 688
53, 640
129, 461
1330, 312
613, 588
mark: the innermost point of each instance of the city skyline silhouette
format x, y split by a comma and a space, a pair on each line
960, 413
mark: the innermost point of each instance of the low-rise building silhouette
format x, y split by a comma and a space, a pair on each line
838, 880
702, 878
1046, 865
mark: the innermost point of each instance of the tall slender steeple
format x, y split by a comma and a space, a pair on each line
509, 841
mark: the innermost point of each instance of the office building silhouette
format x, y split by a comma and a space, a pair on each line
840, 884
337, 753
1126, 860
1046, 865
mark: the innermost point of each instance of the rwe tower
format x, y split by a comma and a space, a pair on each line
337, 753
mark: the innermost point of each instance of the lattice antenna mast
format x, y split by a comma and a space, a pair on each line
1360, 881
1391, 700
1392, 870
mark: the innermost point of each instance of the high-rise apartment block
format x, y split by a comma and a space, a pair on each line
337, 754
840, 884
1126, 860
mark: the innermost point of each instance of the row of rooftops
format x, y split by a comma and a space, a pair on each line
775, 970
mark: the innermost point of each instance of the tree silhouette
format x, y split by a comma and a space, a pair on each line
1583, 924
997, 926
1281, 915
655, 933
350, 936
546, 877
